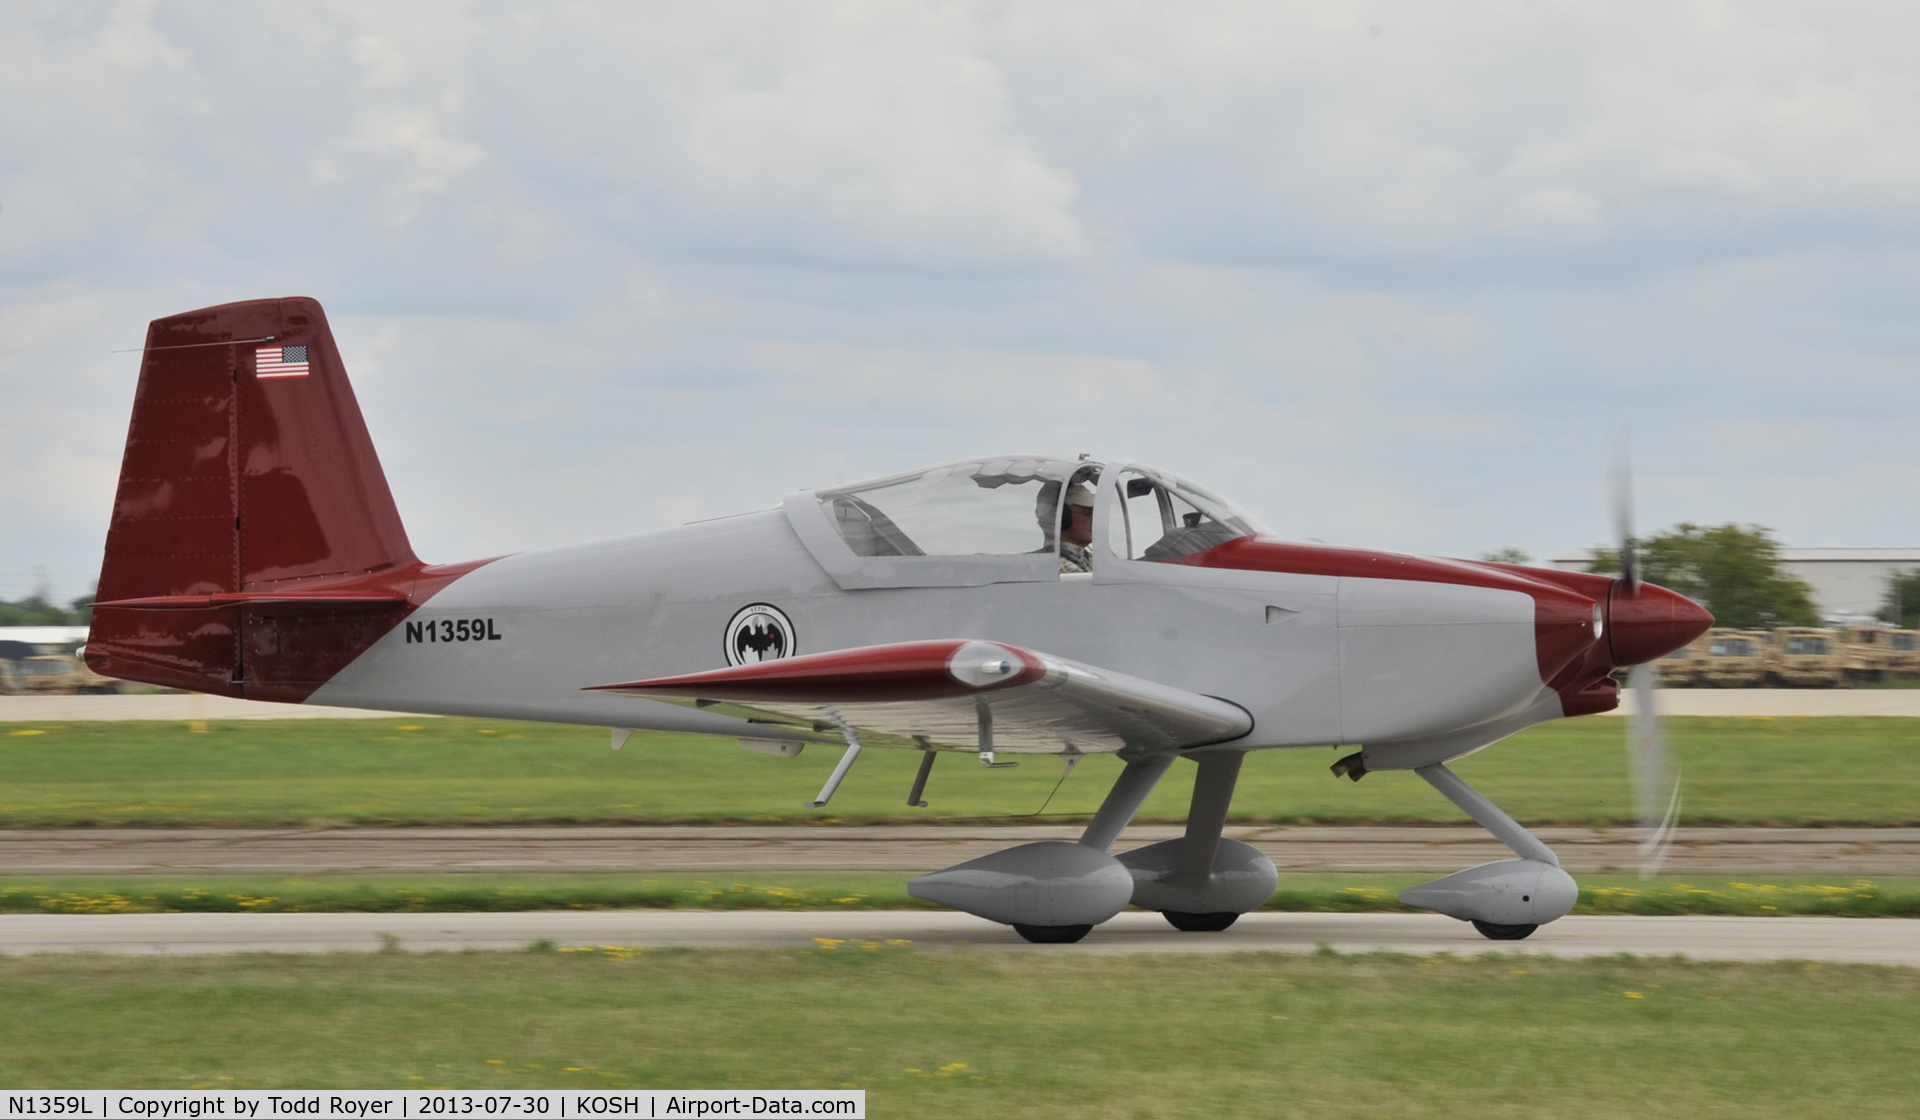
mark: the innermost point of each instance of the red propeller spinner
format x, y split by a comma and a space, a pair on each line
1649, 622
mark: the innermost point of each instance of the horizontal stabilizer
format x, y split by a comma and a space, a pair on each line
946, 691
249, 599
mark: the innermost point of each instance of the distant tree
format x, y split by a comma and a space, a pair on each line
1902, 604
1733, 570
34, 610
1507, 555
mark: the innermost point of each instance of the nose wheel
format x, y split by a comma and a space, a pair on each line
1494, 931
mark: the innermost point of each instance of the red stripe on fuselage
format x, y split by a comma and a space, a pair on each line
1563, 608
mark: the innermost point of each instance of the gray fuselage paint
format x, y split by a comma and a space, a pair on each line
1342, 659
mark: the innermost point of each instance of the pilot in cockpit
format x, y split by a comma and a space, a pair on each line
1076, 524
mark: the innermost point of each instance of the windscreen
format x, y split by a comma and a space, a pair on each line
1163, 516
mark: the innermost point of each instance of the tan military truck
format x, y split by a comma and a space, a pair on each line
1804, 657
1728, 658
61, 674
1865, 656
1903, 653
1678, 669
1876, 653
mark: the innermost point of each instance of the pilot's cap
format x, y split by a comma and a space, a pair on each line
1046, 504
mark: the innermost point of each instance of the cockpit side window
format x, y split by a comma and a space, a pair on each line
988, 507
1162, 517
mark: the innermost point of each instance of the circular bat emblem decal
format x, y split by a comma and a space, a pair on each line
759, 633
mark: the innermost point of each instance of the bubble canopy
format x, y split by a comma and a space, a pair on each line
993, 520
980, 507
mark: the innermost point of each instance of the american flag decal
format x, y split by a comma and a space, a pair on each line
280, 361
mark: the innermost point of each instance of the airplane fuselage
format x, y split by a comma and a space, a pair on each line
1314, 658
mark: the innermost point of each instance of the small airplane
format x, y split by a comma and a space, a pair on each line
1003, 606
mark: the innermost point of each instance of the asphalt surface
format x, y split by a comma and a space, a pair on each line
1858, 940
213, 851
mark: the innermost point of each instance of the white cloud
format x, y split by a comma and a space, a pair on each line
843, 135
1385, 272
1411, 128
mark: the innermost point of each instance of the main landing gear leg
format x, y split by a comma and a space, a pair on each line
1053, 892
1201, 881
1207, 812
1129, 791
1213, 880
1206, 819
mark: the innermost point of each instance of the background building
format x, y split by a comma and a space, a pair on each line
25, 641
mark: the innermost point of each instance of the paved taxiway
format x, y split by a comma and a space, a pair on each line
368, 851
1859, 940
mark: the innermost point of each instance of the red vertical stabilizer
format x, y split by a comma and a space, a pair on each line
254, 548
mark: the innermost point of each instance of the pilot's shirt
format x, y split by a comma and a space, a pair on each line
1074, 558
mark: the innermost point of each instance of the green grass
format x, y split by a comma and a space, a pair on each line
1885, 897
1768, 896
455, 771
967, 1034
102, 894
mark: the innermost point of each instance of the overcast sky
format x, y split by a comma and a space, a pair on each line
1387, 274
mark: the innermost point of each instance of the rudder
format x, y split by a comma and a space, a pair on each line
251, 504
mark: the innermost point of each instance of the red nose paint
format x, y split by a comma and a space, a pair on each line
1651, 623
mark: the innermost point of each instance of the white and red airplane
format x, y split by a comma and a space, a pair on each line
1017, 605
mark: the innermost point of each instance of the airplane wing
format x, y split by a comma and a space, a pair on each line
964, 695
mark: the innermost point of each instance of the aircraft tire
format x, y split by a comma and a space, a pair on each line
1052, 935
1494, 931
1200, 923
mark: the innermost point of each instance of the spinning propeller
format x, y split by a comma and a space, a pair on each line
1656, 778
